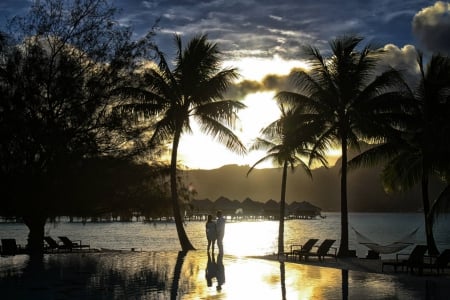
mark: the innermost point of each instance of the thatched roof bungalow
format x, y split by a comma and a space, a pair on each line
253, 209
303, 210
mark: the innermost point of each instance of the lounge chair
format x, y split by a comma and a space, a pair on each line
10, 247
415, 260
323, 250
440, 263
53, 245
298, 250
72, 245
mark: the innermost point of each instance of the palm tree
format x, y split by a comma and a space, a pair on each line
192, 89
419, 148
344, 97
287, 140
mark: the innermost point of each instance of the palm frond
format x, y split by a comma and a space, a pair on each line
163, 131
402, 172
265, 158
223, 111
221, 133
213, 88
261, 144
373, 156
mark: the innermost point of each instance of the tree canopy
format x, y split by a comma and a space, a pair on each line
58, 66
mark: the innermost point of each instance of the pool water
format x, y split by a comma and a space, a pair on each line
178, 275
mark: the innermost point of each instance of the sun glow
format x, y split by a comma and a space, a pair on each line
198, 150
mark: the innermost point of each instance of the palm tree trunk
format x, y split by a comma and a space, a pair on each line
182, 236
431, 243
343, 248
36, 225
282, 208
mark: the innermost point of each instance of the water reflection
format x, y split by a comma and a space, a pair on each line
220, 272
215, 270
344, 284
283, 280
177, 274
181, 275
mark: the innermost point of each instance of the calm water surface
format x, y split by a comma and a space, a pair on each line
242, 238
157, 270
172, 275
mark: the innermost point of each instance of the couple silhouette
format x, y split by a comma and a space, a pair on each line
215, 230
215, 269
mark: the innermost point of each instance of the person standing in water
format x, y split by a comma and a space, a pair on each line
220, 229
211, 232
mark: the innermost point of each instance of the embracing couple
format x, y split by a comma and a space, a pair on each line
215, 230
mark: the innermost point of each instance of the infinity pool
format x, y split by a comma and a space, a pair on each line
175, 275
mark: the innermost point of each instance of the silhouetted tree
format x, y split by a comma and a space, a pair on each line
58, 65
417, 148
194, 88
109, 186
288, 142
344, 98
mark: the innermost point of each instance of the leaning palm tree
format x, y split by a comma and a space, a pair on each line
288, 142
343, 96
418, 149
193, 89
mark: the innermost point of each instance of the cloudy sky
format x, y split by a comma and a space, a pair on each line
263, 40
266, 29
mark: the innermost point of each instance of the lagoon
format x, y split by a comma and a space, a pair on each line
253, 238
157, 270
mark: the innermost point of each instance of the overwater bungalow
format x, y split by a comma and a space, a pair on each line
249, 209
303, 210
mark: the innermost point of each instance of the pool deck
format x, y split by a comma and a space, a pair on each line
359, 265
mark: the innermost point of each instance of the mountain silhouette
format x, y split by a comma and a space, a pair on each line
365, 191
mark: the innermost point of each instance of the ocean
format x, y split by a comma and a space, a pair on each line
245, 238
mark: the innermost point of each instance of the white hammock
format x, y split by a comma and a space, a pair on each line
404, 242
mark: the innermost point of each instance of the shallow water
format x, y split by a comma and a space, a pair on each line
174, 275
242, 238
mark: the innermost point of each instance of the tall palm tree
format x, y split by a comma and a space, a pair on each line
192, 89
418, 149
287, 140
343, 95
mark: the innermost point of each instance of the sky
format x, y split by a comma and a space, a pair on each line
263, 39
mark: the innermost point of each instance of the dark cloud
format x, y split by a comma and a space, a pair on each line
432, 27
270, 82
265, 27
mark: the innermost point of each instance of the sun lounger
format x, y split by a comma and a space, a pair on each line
323, 250
440, 263
10, 247
298, 250
415, 260
53, 245
72, 244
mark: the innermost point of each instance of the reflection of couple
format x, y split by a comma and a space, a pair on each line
215, 231
215, 269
